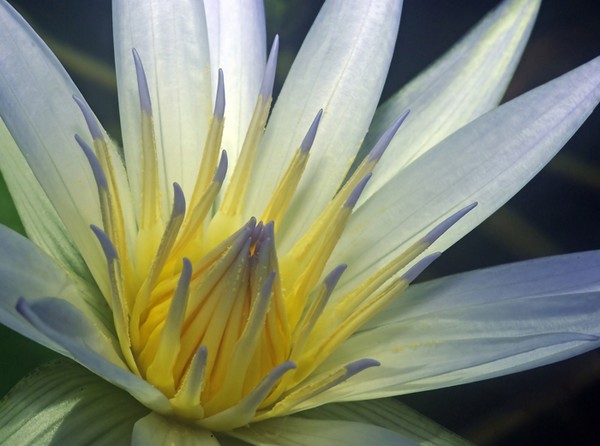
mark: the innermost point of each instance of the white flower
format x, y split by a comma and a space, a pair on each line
225, 297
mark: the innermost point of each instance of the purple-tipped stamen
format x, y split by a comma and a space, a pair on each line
219, 111
178, 303
334, 276
94, 164
90, 119
178, 200
256, 232
348, 371
185, 277
357, 191
419, 267
436, 232
261, 391
250, 225
105, 243
195, 377
308, 140
318, 304
384, 141
358, 366
266, 89
267, 288
143, 90
221, 168
264, 248
268, 232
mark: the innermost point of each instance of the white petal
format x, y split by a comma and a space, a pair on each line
236, 34
479, 67
42, 223
27, 272
155, 430
296, 431
38, 110
390, 414
478, 325
486, 161
62, 403
172, 42
340, 68
548, 276
68, 327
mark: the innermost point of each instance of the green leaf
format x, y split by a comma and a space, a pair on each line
63, 403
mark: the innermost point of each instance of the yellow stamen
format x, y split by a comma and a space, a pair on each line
203, 308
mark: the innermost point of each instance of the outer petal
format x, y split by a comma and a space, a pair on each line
478, 325
37, 108
172, 42
44, 227
42, 223
62, 403
487, 161
155, 430
340, 68
390, 414
479, 67
236, 34
27, 272
296, 431
67, 327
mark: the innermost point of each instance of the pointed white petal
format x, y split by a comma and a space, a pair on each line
69, 328
479, 67
172, 42
478, 325
340, 68
296, 431
155, 430
37, 107
548, 276
487, 161
390, 414
27, 272
62, 403
42, 223
236, 34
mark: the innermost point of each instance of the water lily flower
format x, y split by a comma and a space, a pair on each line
230, 277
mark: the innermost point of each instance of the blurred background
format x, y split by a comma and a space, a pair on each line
558, 212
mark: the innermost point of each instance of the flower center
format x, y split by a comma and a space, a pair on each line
204, 306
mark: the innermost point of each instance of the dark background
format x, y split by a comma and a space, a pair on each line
556, 213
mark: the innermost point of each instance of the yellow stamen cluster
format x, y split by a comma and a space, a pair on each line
203, 307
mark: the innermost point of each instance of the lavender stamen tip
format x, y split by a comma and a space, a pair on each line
419, 267
266, 89
334, 276
178, 200
90, 119
357, 191
97, 171
382, 144
221, 168
220, 99
437, 232
309, 139
143, 90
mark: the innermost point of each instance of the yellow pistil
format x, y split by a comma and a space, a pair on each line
203, 307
